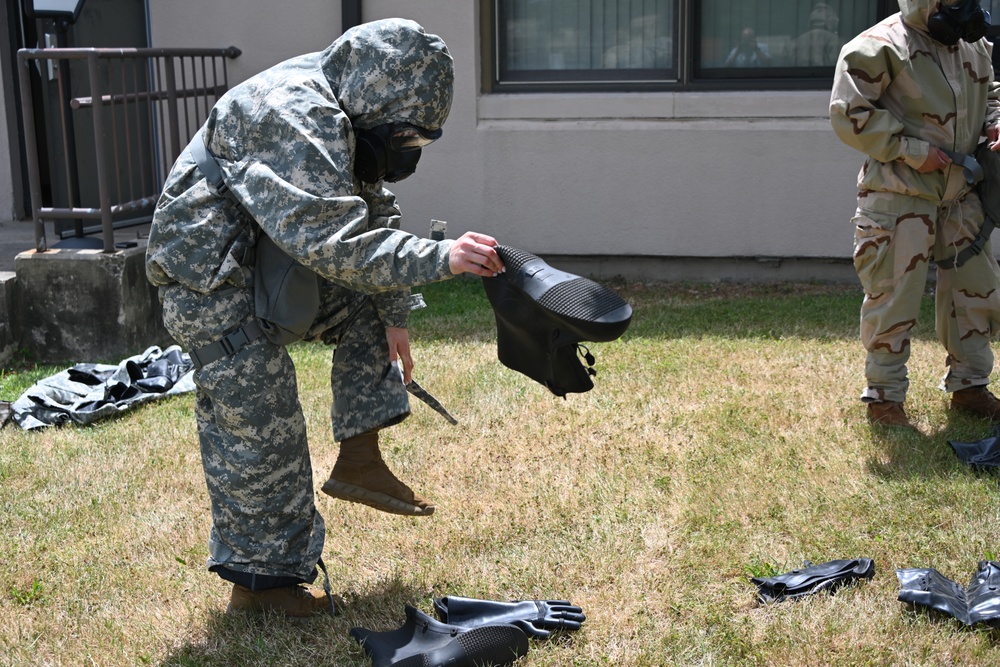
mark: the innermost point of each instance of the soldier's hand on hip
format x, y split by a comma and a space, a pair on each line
993, 137
936, 160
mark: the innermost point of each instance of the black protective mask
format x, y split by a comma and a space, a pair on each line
390, 152
966, 20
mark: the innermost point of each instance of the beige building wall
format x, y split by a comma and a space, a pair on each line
266, 32
664, 175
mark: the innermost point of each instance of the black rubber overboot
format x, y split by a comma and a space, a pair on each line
425, 642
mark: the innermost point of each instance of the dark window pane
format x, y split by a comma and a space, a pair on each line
642, 44
587, 38
776, 37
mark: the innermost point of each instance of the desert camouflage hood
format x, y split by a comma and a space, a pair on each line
897, 92
916, 12
391, 70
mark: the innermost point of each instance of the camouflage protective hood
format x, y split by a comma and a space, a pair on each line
916, 12
391, 71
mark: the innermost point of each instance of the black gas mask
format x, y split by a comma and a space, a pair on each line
962, 20
390, 152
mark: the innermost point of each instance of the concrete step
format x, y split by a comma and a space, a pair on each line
71, 305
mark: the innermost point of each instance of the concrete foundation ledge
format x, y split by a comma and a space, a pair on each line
83, 305
9, 336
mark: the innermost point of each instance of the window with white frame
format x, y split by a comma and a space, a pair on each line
670, 44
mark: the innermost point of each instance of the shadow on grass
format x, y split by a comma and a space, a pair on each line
458, 309
245, 639
902, 453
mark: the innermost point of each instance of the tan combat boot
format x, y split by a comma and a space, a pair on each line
978, 401
361, 476
299, 601
888, 413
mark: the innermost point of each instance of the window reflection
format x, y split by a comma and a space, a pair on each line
748, 34
613, 44
820, 45
589, 34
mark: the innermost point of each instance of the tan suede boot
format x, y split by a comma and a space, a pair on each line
300, 601
978, 401
888, 413
361, 476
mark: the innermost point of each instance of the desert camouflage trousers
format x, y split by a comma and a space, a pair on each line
895, 239
252, 431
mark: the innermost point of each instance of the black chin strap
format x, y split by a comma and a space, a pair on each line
326, 586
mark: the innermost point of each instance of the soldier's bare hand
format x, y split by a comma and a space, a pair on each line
474, 253
993, 137
399, 350
936, 160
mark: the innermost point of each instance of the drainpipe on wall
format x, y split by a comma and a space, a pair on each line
350, 14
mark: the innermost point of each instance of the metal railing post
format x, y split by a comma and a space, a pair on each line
173, 115
31, 150
104, 194
161, 97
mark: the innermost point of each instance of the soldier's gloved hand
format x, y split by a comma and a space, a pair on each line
537, 618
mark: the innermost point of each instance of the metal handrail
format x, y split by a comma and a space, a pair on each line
136, 127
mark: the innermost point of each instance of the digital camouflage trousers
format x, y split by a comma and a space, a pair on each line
252, 431
896, 237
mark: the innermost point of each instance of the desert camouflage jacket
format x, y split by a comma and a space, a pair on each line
896, 91
285, 140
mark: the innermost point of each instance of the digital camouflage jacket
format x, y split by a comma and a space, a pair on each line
285, 139
896, 91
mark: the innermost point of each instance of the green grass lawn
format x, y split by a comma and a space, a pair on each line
724, 439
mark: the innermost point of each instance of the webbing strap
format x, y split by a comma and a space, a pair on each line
209, 167
326, 586
971, 168
229, 344
971, 250
213, 174
974, 173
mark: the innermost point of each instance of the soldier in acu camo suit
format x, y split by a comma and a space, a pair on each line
287, 141
915, 85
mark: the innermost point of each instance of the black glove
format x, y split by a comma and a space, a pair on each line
537, 618
88, 374
160, 376
982, 453
813, 578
